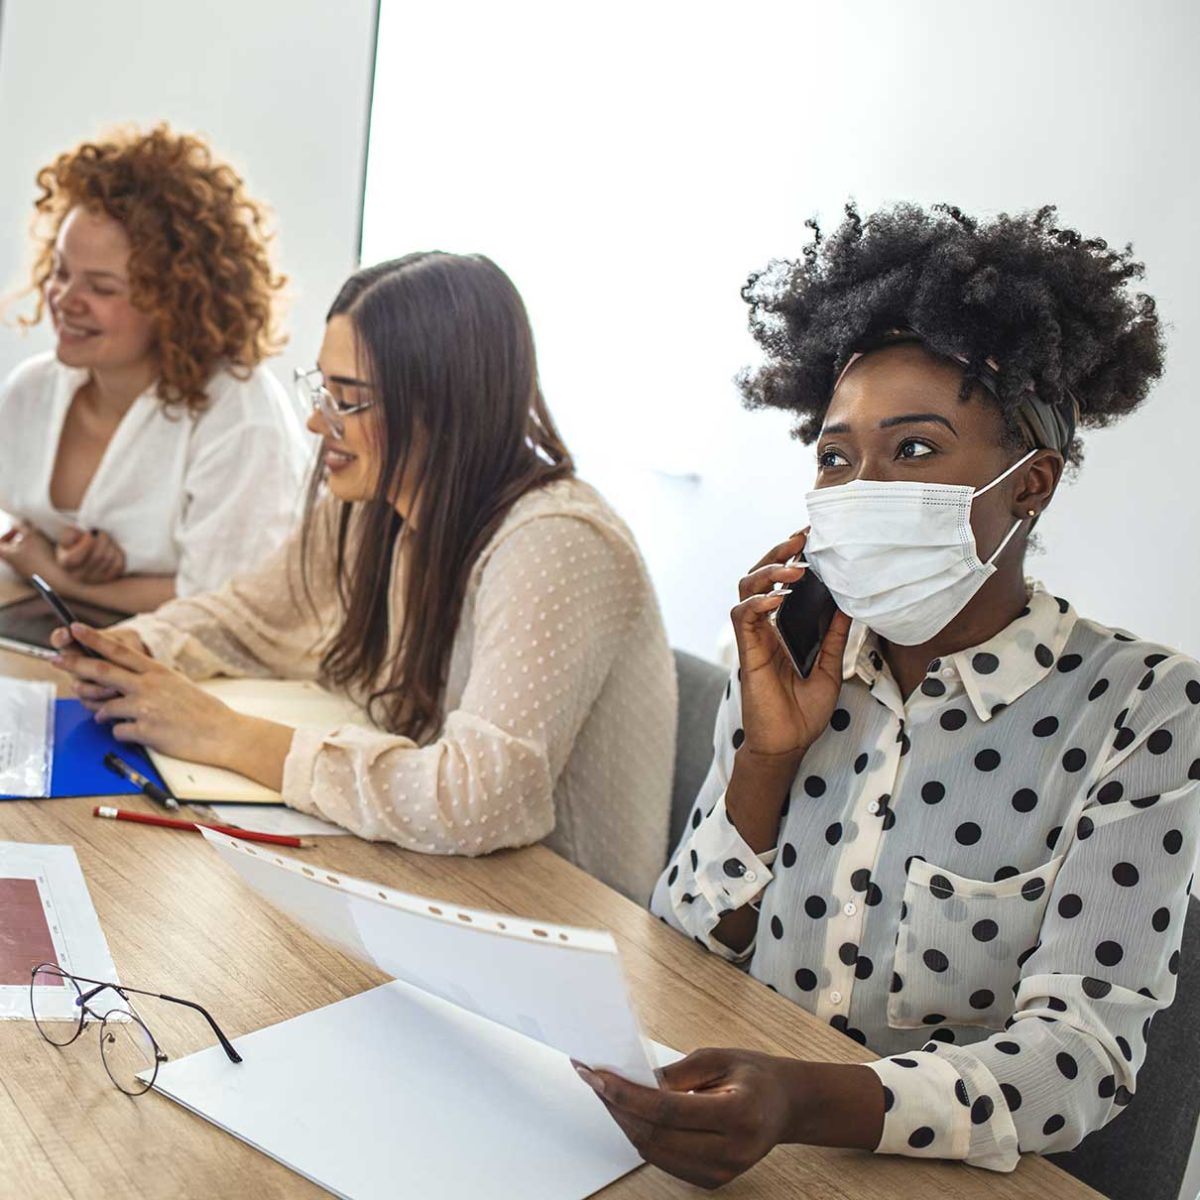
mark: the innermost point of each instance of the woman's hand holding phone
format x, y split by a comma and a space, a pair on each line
782, 713
91, 694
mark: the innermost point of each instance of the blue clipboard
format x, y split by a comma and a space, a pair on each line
80, 744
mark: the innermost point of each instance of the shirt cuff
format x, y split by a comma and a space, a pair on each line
923, 1111
931, 1110
715, 873
299, 768
728, 873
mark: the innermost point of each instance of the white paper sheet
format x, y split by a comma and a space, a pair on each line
560, 985
71, 930
26, 737
263, 819
397, 1093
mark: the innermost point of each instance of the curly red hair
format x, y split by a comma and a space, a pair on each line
199, 262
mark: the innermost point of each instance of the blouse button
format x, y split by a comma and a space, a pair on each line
850, 908
947, 672
835, 997
750, 877
873, 807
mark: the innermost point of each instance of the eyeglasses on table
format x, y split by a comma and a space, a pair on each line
130, 1053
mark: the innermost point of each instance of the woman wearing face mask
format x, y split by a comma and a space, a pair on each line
966, 840
487, 608
150, 455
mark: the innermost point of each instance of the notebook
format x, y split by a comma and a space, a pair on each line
286, 701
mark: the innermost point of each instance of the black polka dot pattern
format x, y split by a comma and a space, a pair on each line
1024, 800
992, 866
933, 792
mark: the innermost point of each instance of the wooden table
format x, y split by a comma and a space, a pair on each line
177, 919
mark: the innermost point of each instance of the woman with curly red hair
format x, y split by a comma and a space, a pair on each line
133, 454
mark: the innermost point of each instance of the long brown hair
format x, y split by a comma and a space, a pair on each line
451, 356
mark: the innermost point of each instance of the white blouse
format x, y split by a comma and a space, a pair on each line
200, 498
559, 711
985, 882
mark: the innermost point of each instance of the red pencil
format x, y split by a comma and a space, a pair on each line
276, 839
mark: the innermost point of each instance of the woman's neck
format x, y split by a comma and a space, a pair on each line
112, 390
995, 606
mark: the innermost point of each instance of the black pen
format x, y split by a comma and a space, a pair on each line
118, 766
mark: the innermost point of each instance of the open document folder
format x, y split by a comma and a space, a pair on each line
452, 1082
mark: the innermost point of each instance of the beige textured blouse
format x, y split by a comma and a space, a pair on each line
560, 701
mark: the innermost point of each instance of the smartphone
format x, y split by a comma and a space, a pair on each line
803, 620
64, 614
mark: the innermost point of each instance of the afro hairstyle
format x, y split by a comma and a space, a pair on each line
1054, 311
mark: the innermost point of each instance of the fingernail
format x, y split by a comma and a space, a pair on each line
782, 592
591, 1079
57, 660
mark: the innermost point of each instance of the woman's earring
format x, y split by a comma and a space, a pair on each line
1032, 513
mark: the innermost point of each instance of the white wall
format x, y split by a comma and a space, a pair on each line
628, 164
281, 88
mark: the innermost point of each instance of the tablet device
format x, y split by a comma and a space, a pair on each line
26, 625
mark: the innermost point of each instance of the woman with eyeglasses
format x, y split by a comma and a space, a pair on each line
488, 610
151, 454
966, 839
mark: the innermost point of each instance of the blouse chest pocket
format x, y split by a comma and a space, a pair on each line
961, 945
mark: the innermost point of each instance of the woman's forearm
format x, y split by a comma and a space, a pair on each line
131, 593
256, 748
835, 1104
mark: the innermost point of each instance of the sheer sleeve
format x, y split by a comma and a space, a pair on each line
263, 623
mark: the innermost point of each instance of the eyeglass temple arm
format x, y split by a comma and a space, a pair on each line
226, 1044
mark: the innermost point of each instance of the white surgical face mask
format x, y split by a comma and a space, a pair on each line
900, 557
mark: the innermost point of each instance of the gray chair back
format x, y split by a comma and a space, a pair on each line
701, 686
1142, 1154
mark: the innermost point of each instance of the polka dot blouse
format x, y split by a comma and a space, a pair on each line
560, 700
985, 883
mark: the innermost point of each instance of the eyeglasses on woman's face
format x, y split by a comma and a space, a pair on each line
313, 393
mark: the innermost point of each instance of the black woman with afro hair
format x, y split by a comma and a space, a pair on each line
966, 838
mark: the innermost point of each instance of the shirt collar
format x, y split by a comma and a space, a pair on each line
996, 672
